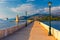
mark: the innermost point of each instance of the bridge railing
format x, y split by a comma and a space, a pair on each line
55, 32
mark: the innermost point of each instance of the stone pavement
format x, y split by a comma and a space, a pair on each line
34, 31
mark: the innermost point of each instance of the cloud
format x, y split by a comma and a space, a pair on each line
53, 9
25, 7
32, 10
29, 8
46, 10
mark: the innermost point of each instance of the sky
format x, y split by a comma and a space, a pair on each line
10, 8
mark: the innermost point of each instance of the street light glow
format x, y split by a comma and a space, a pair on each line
49, 3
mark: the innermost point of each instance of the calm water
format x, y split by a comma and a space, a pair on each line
7, 24
54, 24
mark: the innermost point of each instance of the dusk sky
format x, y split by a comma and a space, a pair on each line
10, 8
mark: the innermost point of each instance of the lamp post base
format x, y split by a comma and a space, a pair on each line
49, 34
26, 25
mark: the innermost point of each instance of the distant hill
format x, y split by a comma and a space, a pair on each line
27, 17
23, 18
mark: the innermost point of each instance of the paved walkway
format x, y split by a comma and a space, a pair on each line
34, 31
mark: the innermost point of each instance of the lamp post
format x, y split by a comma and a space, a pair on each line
26, 18
49, 4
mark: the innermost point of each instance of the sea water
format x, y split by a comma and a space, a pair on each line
54, 24
4, 24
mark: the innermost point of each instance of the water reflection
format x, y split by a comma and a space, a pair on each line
17, 23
